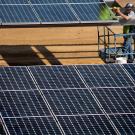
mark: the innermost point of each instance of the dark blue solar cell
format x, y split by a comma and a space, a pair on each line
125, 123
32, 126
85, 1
86, 125
130, 68
15, 78
47, 1
17, 14
14, 2
22, 103
111, 75
55, 13
72, 101
56, 77
92, 12
116, 100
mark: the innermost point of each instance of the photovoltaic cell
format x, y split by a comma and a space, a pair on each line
56, 77
85, 1
22, 103
32, 126
47, 1
116, 100
55, 13
111, 75
92, 12
15, 78
81, 99
63, 1
92, 124
130, 68
125, 123
13, 1
17, 14
72, 101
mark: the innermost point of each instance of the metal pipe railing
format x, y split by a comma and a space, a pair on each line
104, 38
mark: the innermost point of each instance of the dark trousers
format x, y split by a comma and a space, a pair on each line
127, 47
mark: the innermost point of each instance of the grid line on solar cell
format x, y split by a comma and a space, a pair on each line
56, 77
105, 76
38, 125
15, 78
14, 2
64, 1
86, 125
18, 14
22, 103
85, 1
116, 100
91, 12
55, 13
130, 69
125, 123
71, 102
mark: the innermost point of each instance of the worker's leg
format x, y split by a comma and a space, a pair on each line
127, 48
125, 43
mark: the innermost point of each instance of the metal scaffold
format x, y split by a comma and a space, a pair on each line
110, 44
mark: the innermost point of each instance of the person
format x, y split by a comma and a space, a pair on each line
128, 14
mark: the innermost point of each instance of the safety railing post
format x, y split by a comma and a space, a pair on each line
115, 44
98, 39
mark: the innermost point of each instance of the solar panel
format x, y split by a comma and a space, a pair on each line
92, 12
55, 13
91, 124
78, 112
15, 78
125, 123
116, 100
24, 12
25, 112
17, 14
56, 77
32, 126
22, 104
79, 99
112, 75
85, 1
14, 2
72, 102
48, 1
119, 104
63, 1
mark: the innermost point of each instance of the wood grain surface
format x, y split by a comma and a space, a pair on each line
39, 46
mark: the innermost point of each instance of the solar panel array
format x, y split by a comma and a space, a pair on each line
22, 12
79, 99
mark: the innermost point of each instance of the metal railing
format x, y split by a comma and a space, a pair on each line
111, 48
